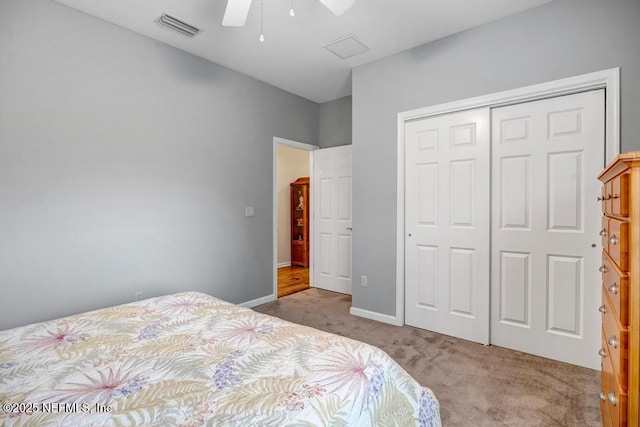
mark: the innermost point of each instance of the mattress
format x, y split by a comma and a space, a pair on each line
189, 359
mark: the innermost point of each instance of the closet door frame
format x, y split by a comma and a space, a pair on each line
606, 79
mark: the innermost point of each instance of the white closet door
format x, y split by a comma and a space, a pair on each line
447, 224
332, 219
545, 222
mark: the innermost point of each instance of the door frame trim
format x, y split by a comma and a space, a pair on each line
605, 79
274, 197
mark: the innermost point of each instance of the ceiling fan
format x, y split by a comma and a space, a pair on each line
237, 10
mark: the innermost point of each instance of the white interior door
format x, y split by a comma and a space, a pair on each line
545, 286
447, 165
332, 219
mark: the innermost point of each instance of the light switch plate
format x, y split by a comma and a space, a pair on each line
248, 211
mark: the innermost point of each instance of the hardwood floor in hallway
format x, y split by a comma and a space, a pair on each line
292, 280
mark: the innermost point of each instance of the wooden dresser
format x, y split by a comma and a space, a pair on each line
620, 307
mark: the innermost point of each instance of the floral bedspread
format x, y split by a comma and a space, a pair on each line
189, 360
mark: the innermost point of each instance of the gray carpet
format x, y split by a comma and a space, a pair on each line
476, 385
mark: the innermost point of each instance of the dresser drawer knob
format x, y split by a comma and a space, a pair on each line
602, 309
603, 232
613, 288
602, 352
603, 269
613, 240
612, 398
613, 341
601, 396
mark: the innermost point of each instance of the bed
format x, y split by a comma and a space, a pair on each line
189, 359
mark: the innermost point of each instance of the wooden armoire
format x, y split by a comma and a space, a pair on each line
300, 222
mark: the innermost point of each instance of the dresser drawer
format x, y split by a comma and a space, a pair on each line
616, 284
614, 398
619, 243
615, 341
604, 233
618, 195
604, 403
606, 199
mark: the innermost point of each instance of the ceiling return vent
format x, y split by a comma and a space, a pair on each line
177, 25
346, 47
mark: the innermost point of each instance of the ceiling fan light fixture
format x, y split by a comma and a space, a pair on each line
261, 22
338, 7
235, 15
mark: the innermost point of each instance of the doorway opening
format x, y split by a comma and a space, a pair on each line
292, 161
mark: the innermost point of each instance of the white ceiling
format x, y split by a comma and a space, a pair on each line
292, 56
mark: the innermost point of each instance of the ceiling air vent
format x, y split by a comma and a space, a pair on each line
346, 47
175, 24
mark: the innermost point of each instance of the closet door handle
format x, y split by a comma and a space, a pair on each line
603, 269
613, 341
612, 399
601, 396
613, 288
603, 232
602, 309
613, 240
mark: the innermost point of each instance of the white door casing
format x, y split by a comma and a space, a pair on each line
546, 156
332, 236
447, 166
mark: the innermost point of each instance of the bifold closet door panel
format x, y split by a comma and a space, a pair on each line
545, 252
447, 224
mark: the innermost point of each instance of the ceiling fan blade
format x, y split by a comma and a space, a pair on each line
235, 15
338, 7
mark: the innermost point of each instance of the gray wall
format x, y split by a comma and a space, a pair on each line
126, 165
560, 39
335, 122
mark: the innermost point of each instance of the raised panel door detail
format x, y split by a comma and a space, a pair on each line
344, 256
344, 198
428, 276
515, 294
447, 224
515, 193
546, 225
428, 194
565, 191
564, 295
515, 130
332, 230
428, 140
462, 178
462, 281
463, 135
325, 249
564, 123
325, 199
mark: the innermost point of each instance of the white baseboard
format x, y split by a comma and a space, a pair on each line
284, 264
384, 318
259, 301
